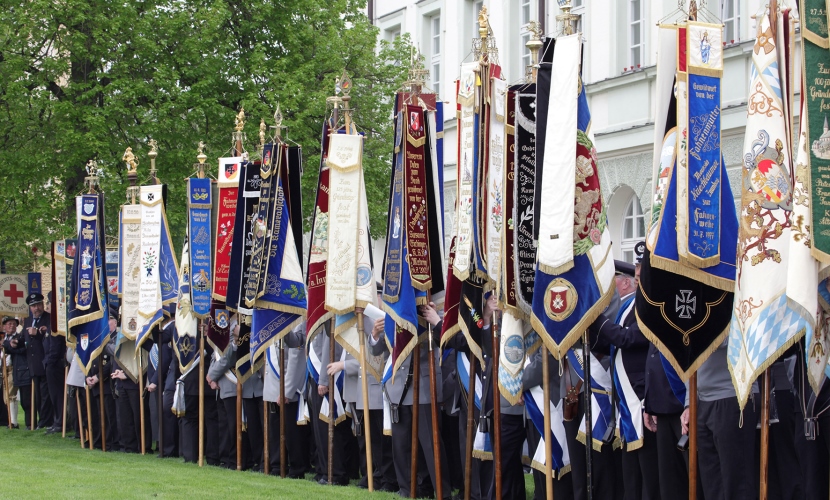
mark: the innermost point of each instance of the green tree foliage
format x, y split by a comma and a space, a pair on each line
84, 79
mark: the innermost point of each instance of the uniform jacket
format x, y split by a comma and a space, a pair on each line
20, 360
395, 386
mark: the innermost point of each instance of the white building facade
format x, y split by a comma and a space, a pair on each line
619, 74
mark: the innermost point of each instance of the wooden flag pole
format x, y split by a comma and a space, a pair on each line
468, 450
416, 406
65, 387
238, 421
6, 391
160, 397
141, 402
433, 397
32, 406
101, 397
266, 453
81, 429
546, 434
283, 454
765, 405
693, 437
589, 438
331, 405
496, 406
201, 393
367, 434
90, 440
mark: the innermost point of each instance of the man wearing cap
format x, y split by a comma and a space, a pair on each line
54, 360
8, 403
630, 352
37, 335
15, 347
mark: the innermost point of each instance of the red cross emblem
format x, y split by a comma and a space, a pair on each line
13, 294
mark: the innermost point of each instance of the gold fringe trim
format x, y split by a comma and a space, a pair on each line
415, 341
820, 256
337, 421
95, 354
555, 270
415, 143
387, 432
348, 169
762, 367
695, 261
316, 327
276, 338
596, 444
482, 455
814, 38
275, 306
675, 267
461, 275
695, 70
355, 353
513, 400
684, 375
413, 329
558, 350
474, 348
635, 445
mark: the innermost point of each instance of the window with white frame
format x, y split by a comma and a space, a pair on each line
526, 15
730, 13
579, 11
435, 51
636, 32
633, 229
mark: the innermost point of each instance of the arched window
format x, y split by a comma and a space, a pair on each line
633, 228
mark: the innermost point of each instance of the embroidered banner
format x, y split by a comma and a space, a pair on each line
319, 246
199, 219
572, 288
59, 285
89, 326
703, 179
817, 92
149, 298
524, 195
393, 259
344, 162
415, 198
466, 166
261, 214
435, 206
112, 278
560, 458
495, 178
228, 183
185, 342
243, 241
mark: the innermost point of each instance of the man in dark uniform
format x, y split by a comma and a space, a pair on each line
37, 336
54, 346
8, 393
639, 477
190, 422
166, 372
99, 380
15, 346
128, 401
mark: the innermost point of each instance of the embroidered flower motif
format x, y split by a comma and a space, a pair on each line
595, 235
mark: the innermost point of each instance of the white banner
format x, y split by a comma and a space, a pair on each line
130, 268
149, 298
495, 181
466, 165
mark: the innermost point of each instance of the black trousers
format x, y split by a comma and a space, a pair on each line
402, 453
190, 430
55, 376
253, 415
113, 439
169, 426
512, 435
449, 435
383, 470
320, 428
784, 471
42, 405
296, 439
639, 476
128, 410
603, 467
724, 449
229, 441
672, 464
814, 455
562, 486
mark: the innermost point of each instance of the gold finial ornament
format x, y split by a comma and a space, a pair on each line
534, 44
277, 126
484, 46
201, 157
566, 17
130, 159
262, 129
92, 171
240, 119
153, 146
153, 154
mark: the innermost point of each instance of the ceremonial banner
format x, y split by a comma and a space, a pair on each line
684, 310
816, 42
88, 317
292, 190
59, 286
817, 356
185, 342
470, 309
482, 447
703, 172
561, 460
435, 212
394, 261
261, 222
512, 356
282, 304
466, 166
495, 178
415, 198
345, 173
319, 246
149, 298
574, 279
199, 238
129, 242
243, 241
601, 403
452, 301
524, 267
228, 182
128, 357
764, 324
13, 295
112, 278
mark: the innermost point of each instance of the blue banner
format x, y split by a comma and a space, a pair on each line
199, 203
393, 261
704, 171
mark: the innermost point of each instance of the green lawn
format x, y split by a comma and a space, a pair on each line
41, 466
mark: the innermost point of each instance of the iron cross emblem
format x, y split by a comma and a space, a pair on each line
685, 304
